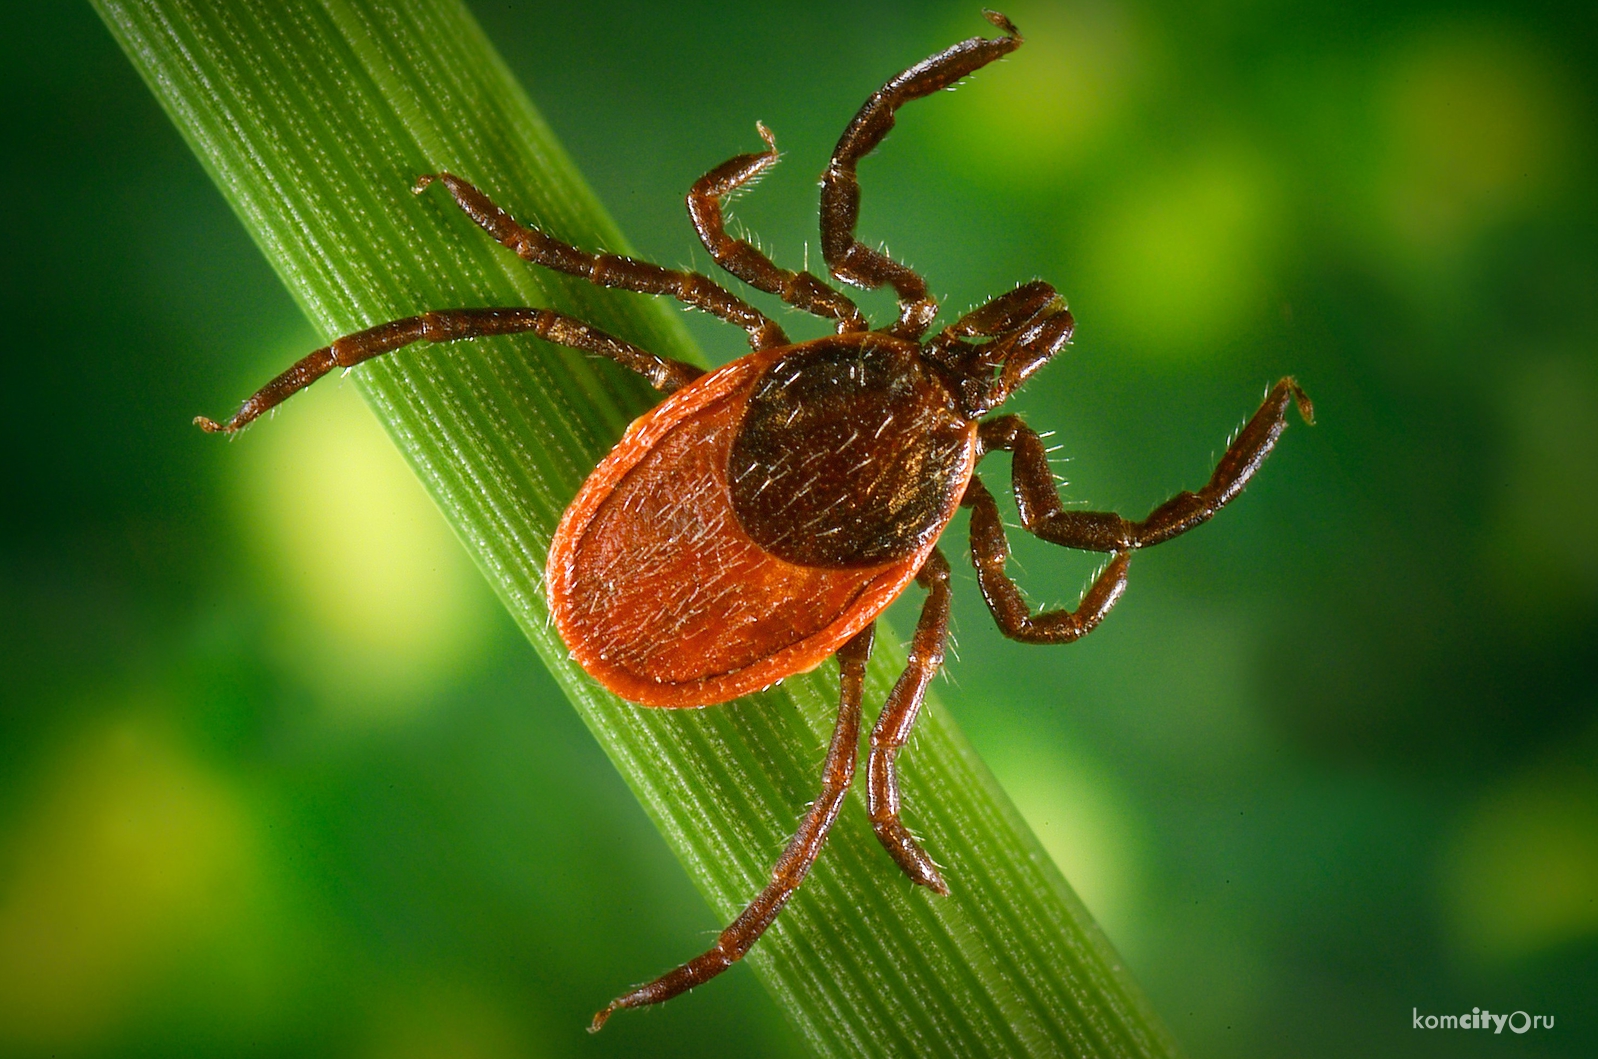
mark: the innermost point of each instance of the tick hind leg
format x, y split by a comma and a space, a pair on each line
1103, 531
609, 270
452, 325
897, 719
795, 862
743, 259
1045, 516
849, 259
990, 549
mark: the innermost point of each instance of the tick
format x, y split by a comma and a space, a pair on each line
759, 519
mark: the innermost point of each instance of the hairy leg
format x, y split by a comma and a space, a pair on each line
743, 259
897, 719
849, 259
989, 551
795, 862
453, 325
1104, 531
609, 270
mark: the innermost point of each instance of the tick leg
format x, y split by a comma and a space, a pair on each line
795, 862
609, 270
898, 717
851, 260
452, 325
1103, 531
744, 260
989, 551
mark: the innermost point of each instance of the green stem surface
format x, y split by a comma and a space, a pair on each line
314, 117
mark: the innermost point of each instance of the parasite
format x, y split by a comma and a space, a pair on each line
758, 520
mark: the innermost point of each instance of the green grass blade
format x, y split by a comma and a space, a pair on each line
313, 117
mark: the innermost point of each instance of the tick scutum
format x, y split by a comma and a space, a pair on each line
851, 453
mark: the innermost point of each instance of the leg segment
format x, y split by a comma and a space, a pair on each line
451, 325
1103, 531
990, 549
742, 259
849, 259
609, 270
795, 862
898, 717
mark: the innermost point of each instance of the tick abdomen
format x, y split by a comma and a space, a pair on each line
851, 453
662, 593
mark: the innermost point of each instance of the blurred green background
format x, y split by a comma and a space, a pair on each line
269, 788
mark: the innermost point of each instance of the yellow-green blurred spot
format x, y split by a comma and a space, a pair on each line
1520, 875
1086, 827
1019, 122
1546, 517
1475, 129
1179, 258
445, 1020
130, 856
380, 602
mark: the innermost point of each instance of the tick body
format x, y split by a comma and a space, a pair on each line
754, 522
759, 519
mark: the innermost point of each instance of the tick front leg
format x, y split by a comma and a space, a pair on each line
849, 259
897, 719
989, 551
795, 862
453, 325
740, 257
609, 270
1104, 531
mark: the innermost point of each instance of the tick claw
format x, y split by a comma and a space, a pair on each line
1003, 23
1306, 409
926, 875
601, 1017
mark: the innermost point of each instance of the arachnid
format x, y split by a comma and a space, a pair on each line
758, 520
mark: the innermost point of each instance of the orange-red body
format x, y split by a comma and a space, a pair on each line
660, 593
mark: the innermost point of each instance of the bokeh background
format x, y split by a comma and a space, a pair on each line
266, 787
